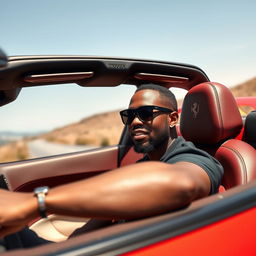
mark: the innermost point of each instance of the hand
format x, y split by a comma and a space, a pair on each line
16, 211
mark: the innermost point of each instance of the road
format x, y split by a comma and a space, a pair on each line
41, 148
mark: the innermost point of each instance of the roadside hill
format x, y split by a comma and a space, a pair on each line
101, 129
247, 88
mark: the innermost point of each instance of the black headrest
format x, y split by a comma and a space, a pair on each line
249, 135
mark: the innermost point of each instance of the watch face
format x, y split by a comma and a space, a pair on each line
43, 190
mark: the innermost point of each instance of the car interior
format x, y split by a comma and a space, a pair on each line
205, 120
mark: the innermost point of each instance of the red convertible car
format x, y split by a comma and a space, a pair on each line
221, 224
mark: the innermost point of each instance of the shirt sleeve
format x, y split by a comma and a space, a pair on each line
211, 166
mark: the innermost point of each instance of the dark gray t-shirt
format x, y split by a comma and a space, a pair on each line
185, 151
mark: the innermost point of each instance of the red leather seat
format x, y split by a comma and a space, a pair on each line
211, 120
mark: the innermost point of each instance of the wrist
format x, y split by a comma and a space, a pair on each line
40, 193
28, 208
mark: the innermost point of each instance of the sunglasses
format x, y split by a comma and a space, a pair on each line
144, 113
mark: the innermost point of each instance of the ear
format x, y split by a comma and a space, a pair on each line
173, 119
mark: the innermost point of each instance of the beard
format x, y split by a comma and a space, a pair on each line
150, 146
140, 148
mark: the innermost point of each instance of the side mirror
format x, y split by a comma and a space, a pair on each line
3, 59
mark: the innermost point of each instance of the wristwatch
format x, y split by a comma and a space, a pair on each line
40, 193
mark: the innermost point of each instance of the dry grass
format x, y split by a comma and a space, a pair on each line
247, 88
14, 151
98, 130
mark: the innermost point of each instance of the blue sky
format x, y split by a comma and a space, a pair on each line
218, 36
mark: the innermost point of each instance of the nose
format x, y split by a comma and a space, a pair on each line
136, 121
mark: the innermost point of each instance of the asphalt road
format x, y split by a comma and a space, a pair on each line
41, 148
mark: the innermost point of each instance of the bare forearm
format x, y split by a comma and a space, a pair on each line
130, 192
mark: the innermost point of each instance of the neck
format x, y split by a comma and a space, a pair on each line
159, 152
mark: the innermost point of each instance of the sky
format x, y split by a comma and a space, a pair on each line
218, 36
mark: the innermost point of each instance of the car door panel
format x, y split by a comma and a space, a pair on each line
56, 170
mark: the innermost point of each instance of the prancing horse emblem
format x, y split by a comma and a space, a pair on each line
195, 109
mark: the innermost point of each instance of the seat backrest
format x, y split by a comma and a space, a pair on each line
211, 120
238, 159
249, 134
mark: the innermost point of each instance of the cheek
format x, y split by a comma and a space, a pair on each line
161, 127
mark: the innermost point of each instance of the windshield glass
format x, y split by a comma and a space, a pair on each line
50, 120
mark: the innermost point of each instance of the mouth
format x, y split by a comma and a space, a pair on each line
139, 134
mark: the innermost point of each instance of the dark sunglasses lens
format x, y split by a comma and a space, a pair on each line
145, 114
127, 116
124, 119
124, 116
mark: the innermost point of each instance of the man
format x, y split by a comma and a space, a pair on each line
172, 174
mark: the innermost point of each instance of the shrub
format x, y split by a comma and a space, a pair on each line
104, 142
83, 141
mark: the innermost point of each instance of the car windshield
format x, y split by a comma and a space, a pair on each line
50, 120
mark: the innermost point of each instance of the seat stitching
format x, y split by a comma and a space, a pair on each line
242, 161
218, 108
